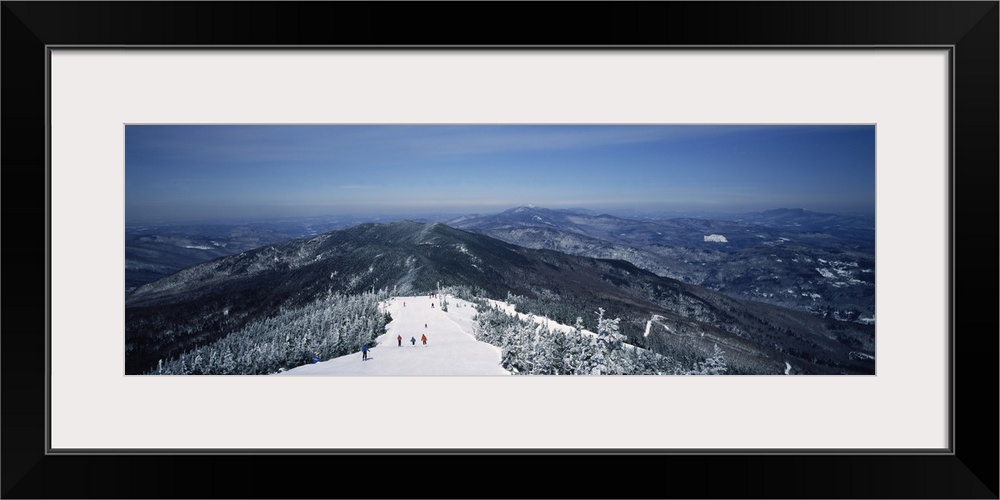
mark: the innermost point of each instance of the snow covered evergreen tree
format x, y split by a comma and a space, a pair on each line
327, 328
532, 348
550, 348
712, 365
607, 332
610, 358
515, 351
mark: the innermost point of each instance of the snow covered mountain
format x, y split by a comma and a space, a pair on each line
207, 302
155, 250
820, 263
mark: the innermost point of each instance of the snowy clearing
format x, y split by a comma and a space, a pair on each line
658, 320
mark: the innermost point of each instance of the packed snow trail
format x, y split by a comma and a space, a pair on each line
451, 345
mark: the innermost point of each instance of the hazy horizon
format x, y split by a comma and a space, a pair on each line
445, 216
182, 173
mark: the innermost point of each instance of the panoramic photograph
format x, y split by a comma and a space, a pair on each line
496, 250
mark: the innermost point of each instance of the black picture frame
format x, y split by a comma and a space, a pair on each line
970, 29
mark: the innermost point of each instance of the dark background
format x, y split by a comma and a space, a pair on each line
28, 471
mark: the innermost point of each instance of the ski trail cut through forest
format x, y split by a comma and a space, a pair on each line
451, 349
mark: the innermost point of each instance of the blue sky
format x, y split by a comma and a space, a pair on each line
204, 172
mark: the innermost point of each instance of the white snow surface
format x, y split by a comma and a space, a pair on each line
451, 349
718, 238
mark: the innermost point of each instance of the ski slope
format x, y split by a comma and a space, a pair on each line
451, 349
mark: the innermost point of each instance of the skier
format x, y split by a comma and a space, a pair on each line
413, 341
399, 340
364, 352
315, 358
423, 338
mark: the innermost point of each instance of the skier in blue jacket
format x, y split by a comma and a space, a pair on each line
364, 352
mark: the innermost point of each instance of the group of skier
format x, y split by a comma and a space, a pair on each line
399, 338
399, 342
413, 340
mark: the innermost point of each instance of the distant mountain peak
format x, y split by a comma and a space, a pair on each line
535, 209
785, 211
522, 208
